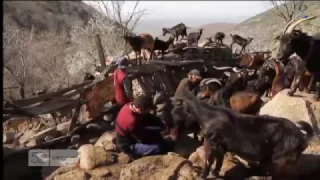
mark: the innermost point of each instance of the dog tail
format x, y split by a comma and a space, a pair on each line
306, 129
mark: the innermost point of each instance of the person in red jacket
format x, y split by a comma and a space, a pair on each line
122, 83
138, 133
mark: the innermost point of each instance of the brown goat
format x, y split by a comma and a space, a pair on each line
278, 81
252, 60
246, 102
240, 41
139, 42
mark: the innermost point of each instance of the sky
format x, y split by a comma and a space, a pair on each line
194, 13
230, 11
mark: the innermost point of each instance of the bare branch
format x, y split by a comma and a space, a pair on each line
287, 10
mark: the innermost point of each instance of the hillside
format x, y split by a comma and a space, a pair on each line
265, 26
209, 30
46, 15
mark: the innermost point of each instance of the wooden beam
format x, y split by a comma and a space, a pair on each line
100, 51
33, 100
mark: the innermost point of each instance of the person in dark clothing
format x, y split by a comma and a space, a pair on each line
138, 133
181, 119
191, 82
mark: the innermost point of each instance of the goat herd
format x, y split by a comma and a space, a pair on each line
226, 106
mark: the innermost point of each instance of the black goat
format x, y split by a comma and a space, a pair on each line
194, 37
176, 31
162, 45
219, 36
266, 139
305, 46
240, 41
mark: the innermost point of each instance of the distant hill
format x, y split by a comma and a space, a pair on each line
265, 26
209, 30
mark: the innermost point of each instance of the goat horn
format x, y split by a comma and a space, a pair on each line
288, 24
294, 24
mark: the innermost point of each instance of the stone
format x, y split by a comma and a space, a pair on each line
106, 141
76, 174
160, 167
232, 166
94, 156
42, 134
27, 136
293, 108
10, 137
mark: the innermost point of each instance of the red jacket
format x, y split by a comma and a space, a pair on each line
119, 76
127, 122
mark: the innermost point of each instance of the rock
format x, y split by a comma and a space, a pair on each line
231, 167
94, 156
100, 172
76, 174
27, 136
32, 142
123, 158
60, 170
106, 141
63, 127
10, 137
42, 134
292, 108
160, 167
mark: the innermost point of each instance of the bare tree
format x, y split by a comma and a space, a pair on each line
111, 23
288, 10
17, 63
114, 10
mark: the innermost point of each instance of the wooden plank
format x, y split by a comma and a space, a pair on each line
30, 101
149, 84
168, 84
46, 107
176, 63
100, 51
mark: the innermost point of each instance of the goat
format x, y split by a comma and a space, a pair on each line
305, 46
194, 37
162, 45
176, 31
232, 94
240, 41
271, 141
278, 81
219, 36
252, 60
139, 42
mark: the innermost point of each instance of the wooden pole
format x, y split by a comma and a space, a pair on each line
100, 51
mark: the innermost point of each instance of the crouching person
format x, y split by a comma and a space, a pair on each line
138, 133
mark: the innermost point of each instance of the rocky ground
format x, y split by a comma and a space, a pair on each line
99, 158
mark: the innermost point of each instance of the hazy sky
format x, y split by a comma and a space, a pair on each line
230, 11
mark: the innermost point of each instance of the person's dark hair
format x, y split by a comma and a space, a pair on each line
143, 102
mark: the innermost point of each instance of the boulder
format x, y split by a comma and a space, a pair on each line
94, 156
232, 166
295, 108
10, 137
76, 174
160, 167
106, 141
